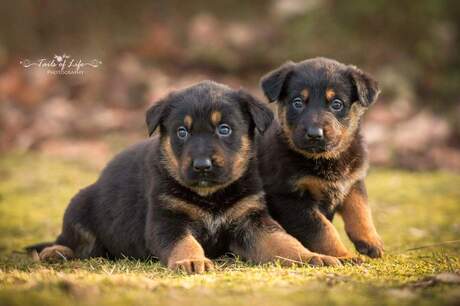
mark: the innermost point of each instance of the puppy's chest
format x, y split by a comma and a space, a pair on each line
212, 219
327, 190
331, 192
213, 224
328, 184
213, 234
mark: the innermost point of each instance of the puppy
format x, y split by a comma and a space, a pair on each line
313, 162
186, 195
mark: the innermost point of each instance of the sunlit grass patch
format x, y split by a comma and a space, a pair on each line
411, 210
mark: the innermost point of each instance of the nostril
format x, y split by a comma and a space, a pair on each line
202, 164
315, 133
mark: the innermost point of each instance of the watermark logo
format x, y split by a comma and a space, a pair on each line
62, 64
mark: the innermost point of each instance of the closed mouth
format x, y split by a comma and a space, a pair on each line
203, 182
313, 146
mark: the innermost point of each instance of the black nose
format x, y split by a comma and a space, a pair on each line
314, 132
202, 164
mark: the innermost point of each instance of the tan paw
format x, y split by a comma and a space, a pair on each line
319, 260
191, 266
351, 259
372, 247
56, 253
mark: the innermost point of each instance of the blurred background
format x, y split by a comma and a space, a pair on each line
147, 48
60, 123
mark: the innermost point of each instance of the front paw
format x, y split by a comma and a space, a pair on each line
319, 260
352, 259
372, 247
192, 265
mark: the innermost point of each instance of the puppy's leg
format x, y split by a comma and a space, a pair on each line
76, 239
327, 239
74, 242
260, 239
188, 255
358, 222
169, 237
308, 225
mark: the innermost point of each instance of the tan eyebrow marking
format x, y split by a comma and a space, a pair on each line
305, 93
216, 116
188, 121
330, 93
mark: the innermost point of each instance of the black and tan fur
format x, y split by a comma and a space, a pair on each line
187, 194
313, 161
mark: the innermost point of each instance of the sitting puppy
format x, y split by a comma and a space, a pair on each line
188, 194
313, 163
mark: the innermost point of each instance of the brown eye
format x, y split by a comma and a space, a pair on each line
336, 105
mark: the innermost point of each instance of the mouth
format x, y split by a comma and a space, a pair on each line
312, 146
316, 147
202, 181
205, 183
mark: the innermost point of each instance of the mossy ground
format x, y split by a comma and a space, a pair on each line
410, 210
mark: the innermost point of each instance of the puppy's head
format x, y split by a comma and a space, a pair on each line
320, 103
207, 133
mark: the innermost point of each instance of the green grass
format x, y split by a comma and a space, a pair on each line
410, 210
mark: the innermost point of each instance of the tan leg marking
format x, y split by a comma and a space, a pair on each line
359, 225
328, 240
278, 245
56, 253
188, 255
86, 241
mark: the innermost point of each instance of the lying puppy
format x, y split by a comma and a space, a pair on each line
189, 194
313, 163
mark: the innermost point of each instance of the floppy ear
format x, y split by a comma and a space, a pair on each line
155, 115
260, 114
366, 88
272, 83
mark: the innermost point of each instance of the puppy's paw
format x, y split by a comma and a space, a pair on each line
193, 265
352, 259
372, 248
56, 253
319, 260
